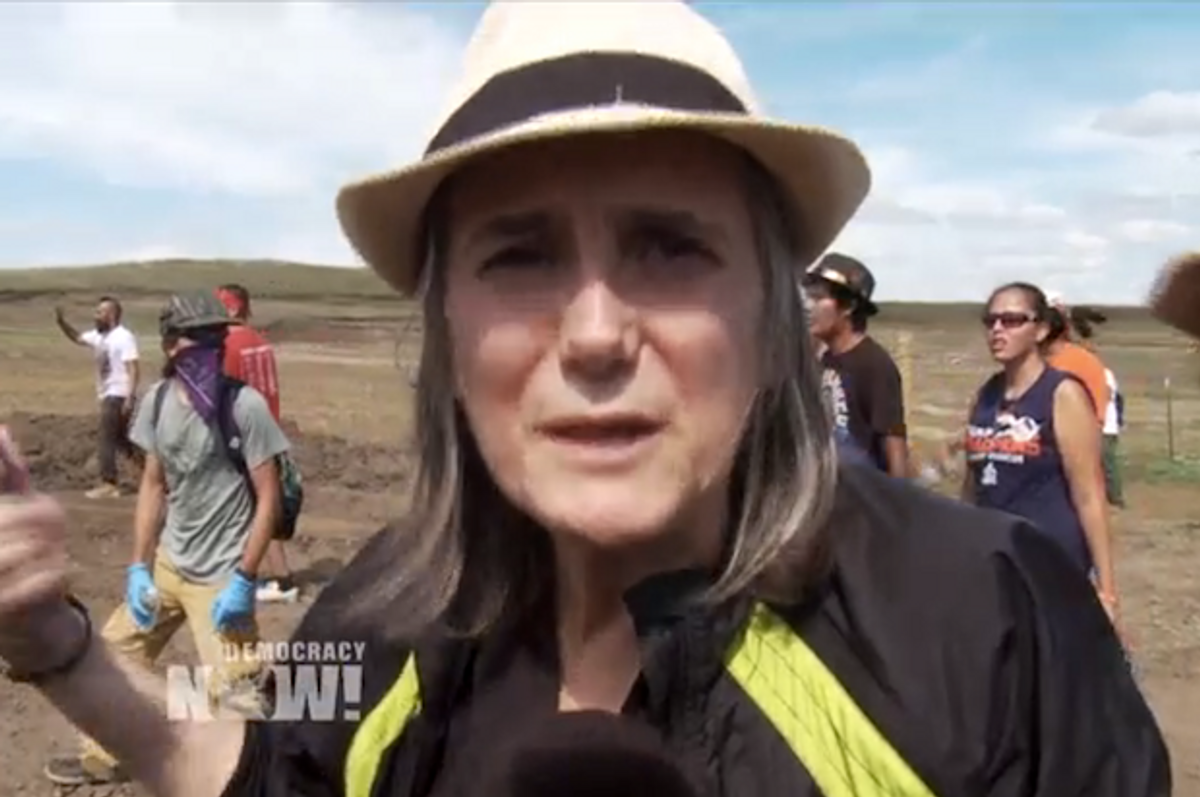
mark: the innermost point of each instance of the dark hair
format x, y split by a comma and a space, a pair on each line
241, 294
1084, 320
859, 316
845, 299
116, 304
1034, 295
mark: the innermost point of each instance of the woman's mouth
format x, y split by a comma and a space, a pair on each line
613, 430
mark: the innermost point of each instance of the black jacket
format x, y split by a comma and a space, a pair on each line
967, 639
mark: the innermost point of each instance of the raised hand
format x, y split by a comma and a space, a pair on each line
33, 563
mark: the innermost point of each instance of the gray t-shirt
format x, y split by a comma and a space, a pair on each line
209, 506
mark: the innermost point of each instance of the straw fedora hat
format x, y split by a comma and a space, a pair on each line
1175, 296
539, 70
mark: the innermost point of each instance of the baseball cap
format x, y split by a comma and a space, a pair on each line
848, 274
192, 310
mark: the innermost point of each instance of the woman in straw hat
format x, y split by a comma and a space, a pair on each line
628, 499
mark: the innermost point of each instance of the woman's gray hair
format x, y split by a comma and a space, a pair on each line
465, 556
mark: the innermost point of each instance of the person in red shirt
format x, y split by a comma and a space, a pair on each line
250, 358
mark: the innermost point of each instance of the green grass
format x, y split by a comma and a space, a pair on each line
1184, 469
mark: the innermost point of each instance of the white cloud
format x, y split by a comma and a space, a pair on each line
1159, 124
1085, 242
244, 98
144, 254
1152, 230
1157, 114
916, 229
280, 101
1117, 195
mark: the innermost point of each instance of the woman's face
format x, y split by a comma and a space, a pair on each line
1012, 326
603, 298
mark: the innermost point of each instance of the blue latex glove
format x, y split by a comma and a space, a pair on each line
141, 596
234, 605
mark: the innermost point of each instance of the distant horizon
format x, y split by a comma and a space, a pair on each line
9, 278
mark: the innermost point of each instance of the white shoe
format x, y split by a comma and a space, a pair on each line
271, 592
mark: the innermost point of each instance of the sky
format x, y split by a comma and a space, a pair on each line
1053, 142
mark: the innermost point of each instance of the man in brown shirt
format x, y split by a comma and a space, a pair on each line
862, 383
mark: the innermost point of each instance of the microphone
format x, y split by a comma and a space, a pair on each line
588, 754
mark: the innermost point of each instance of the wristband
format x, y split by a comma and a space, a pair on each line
39, 677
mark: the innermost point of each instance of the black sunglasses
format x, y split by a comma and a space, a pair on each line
1007, 320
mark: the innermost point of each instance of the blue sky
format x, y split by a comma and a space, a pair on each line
1058, 142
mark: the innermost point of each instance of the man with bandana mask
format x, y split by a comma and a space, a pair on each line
200, 566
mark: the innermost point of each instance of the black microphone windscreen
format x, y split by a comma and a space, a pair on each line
590, 754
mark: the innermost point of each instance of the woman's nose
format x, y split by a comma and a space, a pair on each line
598, 333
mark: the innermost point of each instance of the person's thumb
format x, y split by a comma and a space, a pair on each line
14, 471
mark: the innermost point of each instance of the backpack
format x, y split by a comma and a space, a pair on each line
291, 488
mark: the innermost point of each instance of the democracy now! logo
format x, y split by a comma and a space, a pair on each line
292, 682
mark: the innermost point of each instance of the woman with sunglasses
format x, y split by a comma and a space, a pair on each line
1032, 443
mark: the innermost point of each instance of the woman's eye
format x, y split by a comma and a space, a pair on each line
668, 246
516, 257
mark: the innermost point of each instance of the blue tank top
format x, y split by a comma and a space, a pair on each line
1016, 465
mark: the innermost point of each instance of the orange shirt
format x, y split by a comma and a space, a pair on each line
250, 358
1087, 367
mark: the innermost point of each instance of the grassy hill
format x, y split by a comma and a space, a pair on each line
263, 278
282, 280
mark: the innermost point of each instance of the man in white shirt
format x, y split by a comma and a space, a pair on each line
115, 351
1114, 420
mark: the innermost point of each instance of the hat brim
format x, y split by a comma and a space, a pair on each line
824, 175
1175, 296
831, 277
191, 325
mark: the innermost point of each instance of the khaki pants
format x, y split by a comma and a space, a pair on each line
178, 601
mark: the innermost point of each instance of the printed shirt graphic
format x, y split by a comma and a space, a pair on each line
839, 414
1015, 462
112, 350
251, 359
835, 399
864, 398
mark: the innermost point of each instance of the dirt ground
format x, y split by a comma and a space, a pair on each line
347, 401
